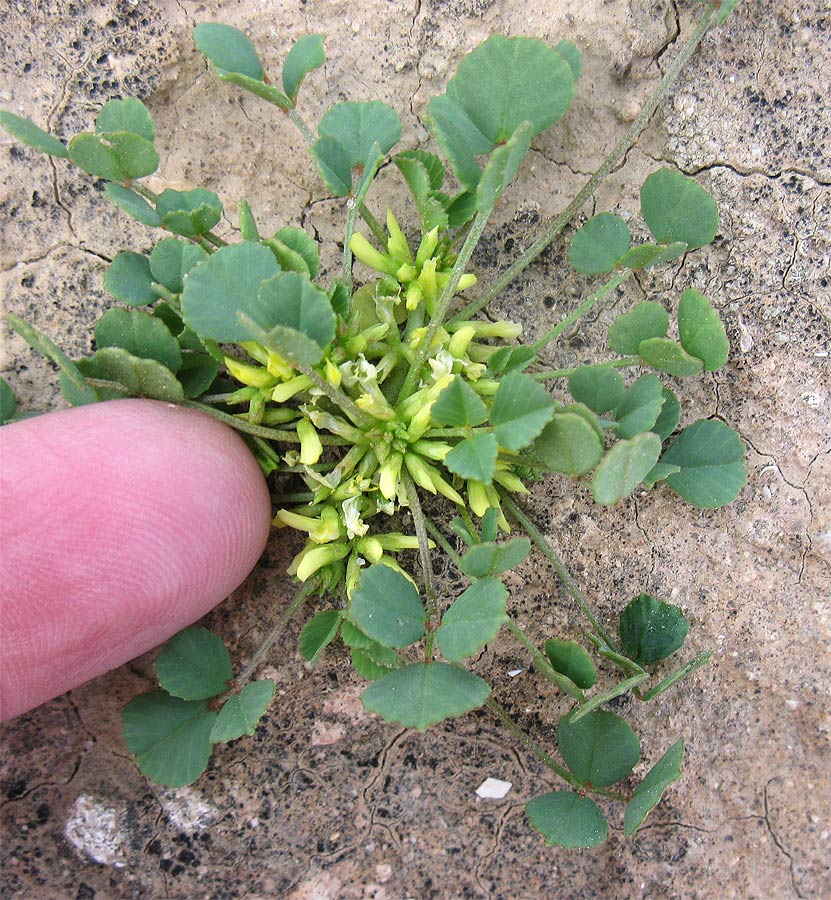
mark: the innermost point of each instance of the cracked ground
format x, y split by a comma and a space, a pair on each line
325, 801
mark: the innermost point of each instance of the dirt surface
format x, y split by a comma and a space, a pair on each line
326, 802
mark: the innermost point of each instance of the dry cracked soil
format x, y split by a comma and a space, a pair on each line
326, 801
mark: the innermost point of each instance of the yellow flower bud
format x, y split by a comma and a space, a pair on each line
311, 449
420, 472
314, 557
413, 296
406, 273
467, 280
436, 450
397, 245
427, 247
252, 375
332, 373
289, 388
477, 498
370, 548
510, 482
388, 477
369, 256
279, 367
458, 343
429, 284
445, 488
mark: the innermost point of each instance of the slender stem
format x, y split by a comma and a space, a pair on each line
420, 524
351, 215
553, 333
622, 662
443, 302
297, 497
337, 396
215, 241
551, 374
676, 676
442, 541
565, 576
618, 153
623, 687
374, 225
274, 633
302, 127
543, 665
272, 434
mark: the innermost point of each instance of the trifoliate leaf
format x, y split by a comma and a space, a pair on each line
194, 665
640, 407
502, 166
669, 416
651, 630
171, 260
301, 243
116, 156
458, 404
600, 387
645, 255
130, 115
318, 633
423, 694
491, 558
569, 444
521, 409
140, 334
130, 280
600, 748
228, 49
474, 458
139, 377
197, 373
189, 213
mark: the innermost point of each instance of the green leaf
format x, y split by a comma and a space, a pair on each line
651, 630
366, 665
291, 301
645, 255
724, 10
461, 209
644, 321
502, 166
701, 331
194, 665
318, 633
228, 49
423, 694
507, 358
600, 387
474, 457
659, 472
498, 86
676, 208
491, 558
386, 607
302, 244
569, 444
73, 384
116, 156
669, 416
666, 355
305, 55
566, 819
129, 115
139, 377
339, 298
624, 467
267, 92
222, 286
640, 407
129, 279
521, 409
247, 222
711, 458
353, 637
648, 793
473, 620
171, 260
458, 404
28, 133
335, 164
169, 737
600, 748
424, 174
189, 213
490, 524
140, 334
570, 659
572, 55
130, 202
197, 373
8, 402
599, 244
239, 714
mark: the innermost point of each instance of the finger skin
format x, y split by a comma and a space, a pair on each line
120, 523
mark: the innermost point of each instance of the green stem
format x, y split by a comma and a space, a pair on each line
377, 229
351, 215
676, 676
551, 374
420, 524
622, 662
565, 576
543, 665
337, 396
623, 687
302, 127
553, 333
617, 154
274, 633
442, 541
475, 233
213, 240
272, 434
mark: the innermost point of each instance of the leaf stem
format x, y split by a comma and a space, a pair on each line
442, 541
551, 374
272, 434
553, 333
617, 154
676, 676
274, 633
351, 216
543, 665
475, 233
420, 524
565, 576
628, 684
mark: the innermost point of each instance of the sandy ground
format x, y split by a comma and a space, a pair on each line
326, 802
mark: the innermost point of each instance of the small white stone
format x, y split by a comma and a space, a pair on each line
493, 789
512, 673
